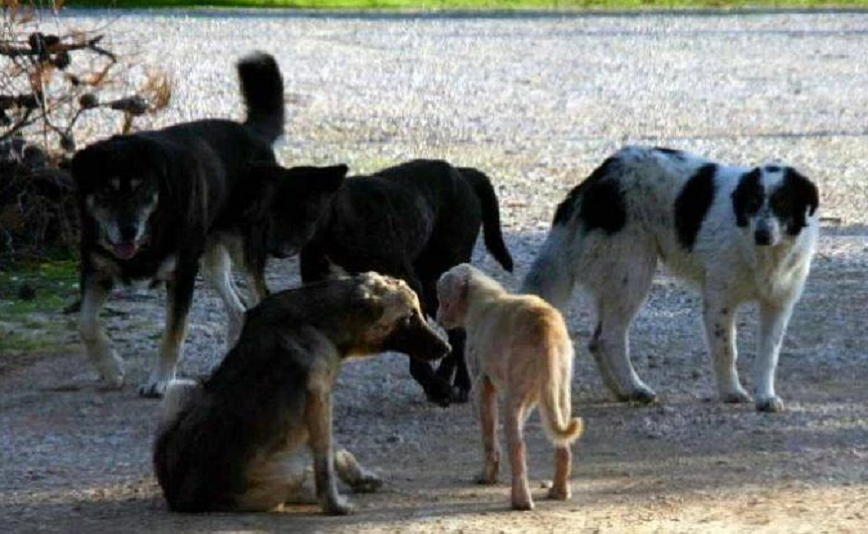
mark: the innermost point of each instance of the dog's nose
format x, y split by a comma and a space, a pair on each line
762, 236
128, 232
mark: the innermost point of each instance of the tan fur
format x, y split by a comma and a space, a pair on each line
518, 346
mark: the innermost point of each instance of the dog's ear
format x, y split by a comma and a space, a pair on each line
748, 196
803, 196
371, 303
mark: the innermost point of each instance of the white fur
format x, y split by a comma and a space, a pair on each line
725, 264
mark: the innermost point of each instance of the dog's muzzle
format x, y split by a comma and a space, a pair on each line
762, 237
415, 338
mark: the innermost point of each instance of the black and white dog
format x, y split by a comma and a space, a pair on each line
154, 203
739, 234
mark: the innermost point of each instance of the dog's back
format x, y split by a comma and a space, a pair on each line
646, 203
421, 208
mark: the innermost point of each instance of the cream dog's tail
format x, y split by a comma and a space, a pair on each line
555, 403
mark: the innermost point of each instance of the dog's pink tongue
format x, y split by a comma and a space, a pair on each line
124, 251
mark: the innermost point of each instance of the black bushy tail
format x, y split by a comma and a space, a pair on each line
490, 215
262, 89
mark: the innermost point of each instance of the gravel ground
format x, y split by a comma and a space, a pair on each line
536, 101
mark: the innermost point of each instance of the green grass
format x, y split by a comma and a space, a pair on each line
35, 323
468, 4
55, 283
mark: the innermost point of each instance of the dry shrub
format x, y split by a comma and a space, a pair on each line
54, 85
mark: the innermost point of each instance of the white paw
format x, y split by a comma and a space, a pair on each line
640, 393
736, 396
772, 404
154, 388
111, 370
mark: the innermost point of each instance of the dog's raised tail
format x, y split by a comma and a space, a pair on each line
490, 215
262, 90
556, 406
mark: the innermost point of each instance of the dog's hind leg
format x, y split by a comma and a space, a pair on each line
98, 346
560, 489
720, 334
487, 400
516, 414
217, 269
773, 325
179, 294
619, 294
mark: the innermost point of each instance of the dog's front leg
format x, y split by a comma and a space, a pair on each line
98, 346
773, 325
179, 295
720, 334
318, 415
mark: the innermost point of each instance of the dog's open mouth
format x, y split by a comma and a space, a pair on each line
126, 250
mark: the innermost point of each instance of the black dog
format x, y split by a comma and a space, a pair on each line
242, 440
153, 203
413, 221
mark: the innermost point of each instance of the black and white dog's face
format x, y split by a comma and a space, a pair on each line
773, 203
123, 206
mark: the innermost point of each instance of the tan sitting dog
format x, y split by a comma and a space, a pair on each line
518, 345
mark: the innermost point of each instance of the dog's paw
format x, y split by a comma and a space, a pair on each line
560, 494
770, 404
439, 393
486, 478
737, 397
338, 506
111, 370
523, 503
113, 381
153, 389
460, 395
369, 483
643, 395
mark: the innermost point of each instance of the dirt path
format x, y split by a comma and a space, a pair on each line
536, 102
75, 458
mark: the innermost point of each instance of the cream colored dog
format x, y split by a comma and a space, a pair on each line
518, 345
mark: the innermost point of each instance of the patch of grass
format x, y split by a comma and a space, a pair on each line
31, 299
50, 286
468, 4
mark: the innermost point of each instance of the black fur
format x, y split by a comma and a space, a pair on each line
262, 89
693, 203
211, 177
675, 153
413, 221
748, 197
795, 200
599, 199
